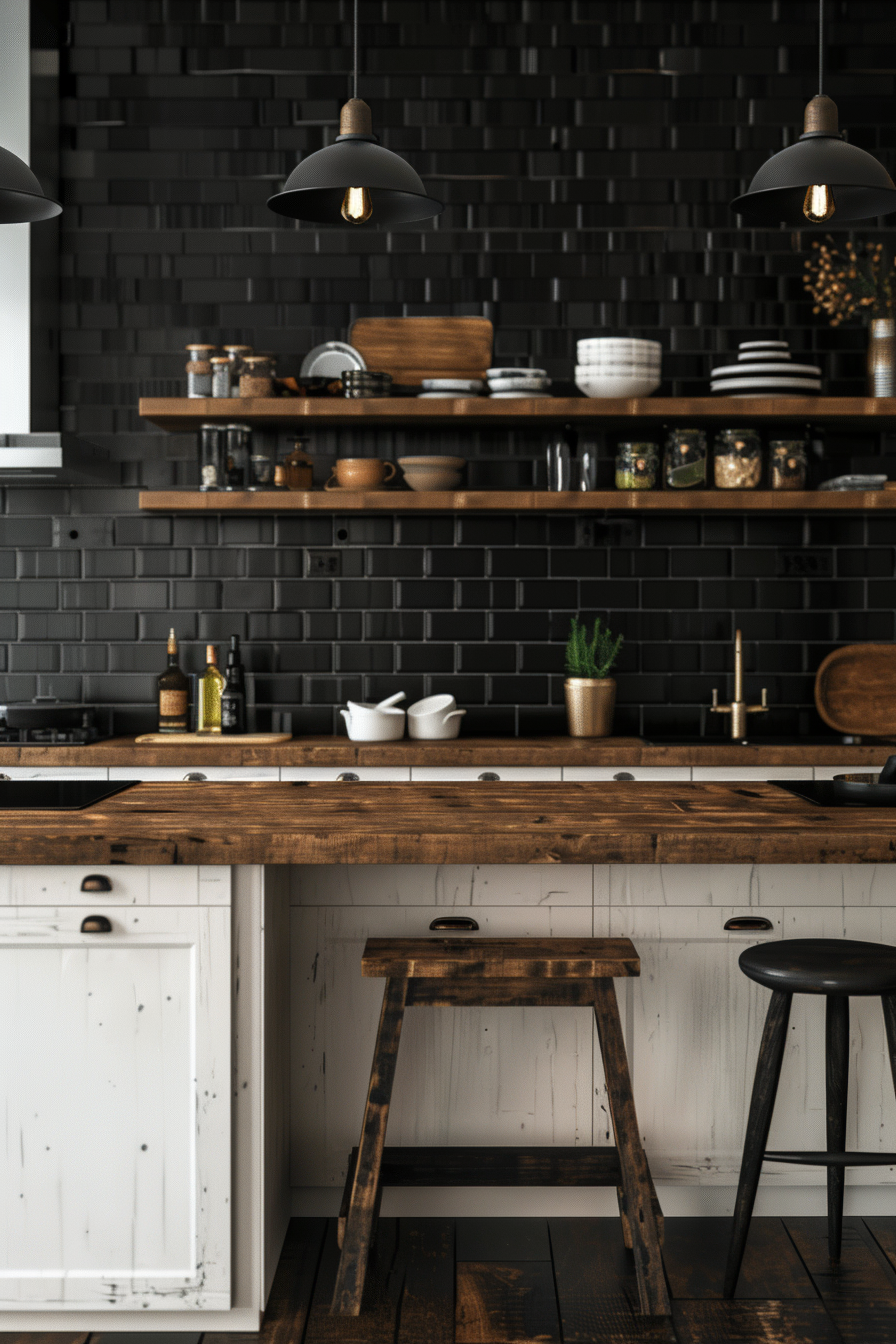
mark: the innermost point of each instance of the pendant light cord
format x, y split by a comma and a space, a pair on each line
820, 45
355, 94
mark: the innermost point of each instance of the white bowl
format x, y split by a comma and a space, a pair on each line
518, 384
625, 344
621, 366
371, 723
621, 385
516, 373
435, 718
433, 473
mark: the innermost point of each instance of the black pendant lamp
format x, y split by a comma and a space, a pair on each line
355, 181
21, 199
821, 181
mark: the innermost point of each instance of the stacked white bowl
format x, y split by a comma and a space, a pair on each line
618, 366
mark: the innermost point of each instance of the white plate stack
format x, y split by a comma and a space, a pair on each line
508, 383
451, 388
618, 366
765, 369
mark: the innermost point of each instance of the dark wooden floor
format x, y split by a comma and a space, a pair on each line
516, 1280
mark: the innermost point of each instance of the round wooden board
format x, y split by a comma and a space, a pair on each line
854, 689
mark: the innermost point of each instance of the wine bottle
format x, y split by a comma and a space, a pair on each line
211, 684
174, 693
233, 697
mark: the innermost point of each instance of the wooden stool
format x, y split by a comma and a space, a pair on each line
837, 968
509, 973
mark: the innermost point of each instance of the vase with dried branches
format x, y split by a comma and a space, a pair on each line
858, 284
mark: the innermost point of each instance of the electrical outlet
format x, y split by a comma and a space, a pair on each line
807, 563
323, 564
78, 533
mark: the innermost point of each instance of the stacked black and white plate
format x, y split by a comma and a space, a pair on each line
765, 369
509, 383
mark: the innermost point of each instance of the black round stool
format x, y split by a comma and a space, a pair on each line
837, 968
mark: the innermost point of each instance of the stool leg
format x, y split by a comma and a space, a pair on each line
762, 1104
637, 1183
363, 1201
837, 1075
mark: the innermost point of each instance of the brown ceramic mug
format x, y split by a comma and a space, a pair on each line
360, 473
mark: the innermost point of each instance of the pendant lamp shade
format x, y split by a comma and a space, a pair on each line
21, 199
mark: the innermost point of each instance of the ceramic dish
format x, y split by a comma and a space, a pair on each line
435, 718
496, 396
757, 387
618, 344
518, 384
331, 360
375, 723
776, 367
432, 473
622, 385
452, 384
516, 373
447, 396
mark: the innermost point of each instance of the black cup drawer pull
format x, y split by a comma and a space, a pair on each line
96, 924
195, 777
347, 777
454, 924
625, 775
96, 882
748, 924
489, 776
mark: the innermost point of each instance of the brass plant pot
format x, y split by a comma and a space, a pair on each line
882, 357
589, 706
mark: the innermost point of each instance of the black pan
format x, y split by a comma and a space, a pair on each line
872, 790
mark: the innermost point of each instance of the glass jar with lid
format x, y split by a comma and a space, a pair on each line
221, 385
199, 369
236, 354
737, 459
637, 466
211, 457
237, 450
787, 462
684, 459
257, 377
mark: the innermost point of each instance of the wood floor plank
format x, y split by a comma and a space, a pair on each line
509, 1303
695, 1251
859, 1293
377, 1322
291, 1291
753, 1323
426, 1254
597, 1290
883, 1230
44, 1337
503, 1239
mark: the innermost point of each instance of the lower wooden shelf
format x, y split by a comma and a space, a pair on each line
494, 501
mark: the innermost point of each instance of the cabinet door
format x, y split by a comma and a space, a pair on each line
115, 1086
173, 773
733, 773
674, 773
388, 774
443, 774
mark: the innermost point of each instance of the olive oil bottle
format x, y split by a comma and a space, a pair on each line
211, 684
174, 693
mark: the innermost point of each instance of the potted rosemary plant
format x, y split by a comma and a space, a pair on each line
590, 692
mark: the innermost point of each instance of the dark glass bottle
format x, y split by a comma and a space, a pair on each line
233, 696
174, 693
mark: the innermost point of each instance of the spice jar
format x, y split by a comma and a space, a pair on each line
236, 354
199, 370
737, 459
297, 467
211, 457
261, 471
220, 376
684, 461
257, 377
787, 459
637, 465
237, 448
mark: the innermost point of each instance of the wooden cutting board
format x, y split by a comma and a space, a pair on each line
855, 690
414, 348
215, 739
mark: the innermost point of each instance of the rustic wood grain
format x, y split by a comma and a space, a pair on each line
290, 1299
502, 1239
754, 1323
383, 1290
413, 348
426, 1253
639, 1194
500, 958
363, 1202
267, 822
498, 1166
859, 1292
883, 1230
854, 689
509, 1303
694, 1254
597, 1290
521, 993
47, 1337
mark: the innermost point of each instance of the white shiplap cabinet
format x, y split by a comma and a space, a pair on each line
115, 1055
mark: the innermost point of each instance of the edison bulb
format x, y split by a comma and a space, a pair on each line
818, 204
357, 206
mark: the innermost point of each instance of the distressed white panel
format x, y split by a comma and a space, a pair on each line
43, 884
114, 1074
674, 773
174, 773
819, 884
214, 884
448, 884
388, 774
448, 773
734, 773
465, 1075
829, 771
679, 884
58, 771
744, 884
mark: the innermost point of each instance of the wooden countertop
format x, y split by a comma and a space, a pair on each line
339, 751
266, 822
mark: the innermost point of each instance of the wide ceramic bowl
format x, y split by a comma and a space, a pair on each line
618, 385
433, 473
435, 718
372, 723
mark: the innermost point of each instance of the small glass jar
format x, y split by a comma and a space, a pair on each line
220, 376
237, 450
199, 370
236, 354
637, 466
787, 463
261, 471
737, 459
257, 377
684, 461
211, 457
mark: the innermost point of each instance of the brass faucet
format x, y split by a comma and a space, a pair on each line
737, 709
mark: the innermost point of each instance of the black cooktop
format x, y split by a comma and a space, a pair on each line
820, 791
58, 795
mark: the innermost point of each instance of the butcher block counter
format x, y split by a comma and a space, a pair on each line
480, 822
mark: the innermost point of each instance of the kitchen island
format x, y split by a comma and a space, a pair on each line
226, 1017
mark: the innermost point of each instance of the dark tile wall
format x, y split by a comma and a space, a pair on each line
587, 153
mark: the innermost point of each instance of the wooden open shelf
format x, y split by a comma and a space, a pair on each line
183, 413
493, 501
